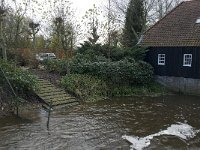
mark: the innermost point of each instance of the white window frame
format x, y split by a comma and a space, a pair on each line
198, 20
185, 61
161, 59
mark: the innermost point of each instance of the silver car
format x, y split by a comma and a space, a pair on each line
45, 56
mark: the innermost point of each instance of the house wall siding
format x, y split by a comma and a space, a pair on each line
174, 61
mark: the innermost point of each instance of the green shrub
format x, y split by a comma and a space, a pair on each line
22, 81
85, 58
119, 53
63, 66
90, 49
124, 72
56, 66
86, 87
137, 53
111, 52
121, 72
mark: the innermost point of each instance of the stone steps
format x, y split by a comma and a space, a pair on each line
54, 96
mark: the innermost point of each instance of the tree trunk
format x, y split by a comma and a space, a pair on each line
3, 46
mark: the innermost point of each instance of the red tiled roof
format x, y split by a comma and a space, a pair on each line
177, 28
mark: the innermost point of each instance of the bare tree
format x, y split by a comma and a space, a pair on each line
162, 7
154, 9
16, 25
93, 24
113, 24
65, 27
19, 17
120, 8
34, 29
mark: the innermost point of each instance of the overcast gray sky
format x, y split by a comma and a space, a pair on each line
37, 7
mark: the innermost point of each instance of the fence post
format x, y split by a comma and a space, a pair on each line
49, 113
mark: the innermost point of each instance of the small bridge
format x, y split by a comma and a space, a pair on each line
53, 96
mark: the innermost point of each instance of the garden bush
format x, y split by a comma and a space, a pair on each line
22, 81
63, 66
90, 49
111, 52
121, 72
57, 66
86, 87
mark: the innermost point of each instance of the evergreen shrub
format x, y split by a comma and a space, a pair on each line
121, 72
22, 81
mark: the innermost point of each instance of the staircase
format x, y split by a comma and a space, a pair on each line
53, 96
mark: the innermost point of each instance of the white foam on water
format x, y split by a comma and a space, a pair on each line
181, 130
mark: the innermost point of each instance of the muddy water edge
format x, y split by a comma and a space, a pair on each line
101, 125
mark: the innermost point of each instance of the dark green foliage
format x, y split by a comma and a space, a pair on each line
134, 23
91, 52
125, 68
81, 58
60, 66
94, 37
120, 72
22, 81
86, 87
127, 71
136, 53
56, 66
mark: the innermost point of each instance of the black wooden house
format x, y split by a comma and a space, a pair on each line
174, 43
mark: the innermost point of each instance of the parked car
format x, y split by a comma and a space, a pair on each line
45, 56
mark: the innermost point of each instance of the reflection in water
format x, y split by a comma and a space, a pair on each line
180, 130
101, 125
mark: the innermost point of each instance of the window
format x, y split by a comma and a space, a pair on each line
161, 59
198, 20
187, 60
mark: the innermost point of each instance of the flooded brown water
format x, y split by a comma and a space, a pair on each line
101, 125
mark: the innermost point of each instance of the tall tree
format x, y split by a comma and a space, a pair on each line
93, 24
16, 25
19, 21
162, 7
40, 42
154, 9
64, 26
2, 40
34, 29
112, 25
135, 22
65, 34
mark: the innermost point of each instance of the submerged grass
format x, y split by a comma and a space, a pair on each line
152, 89
89, 88
85, 87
